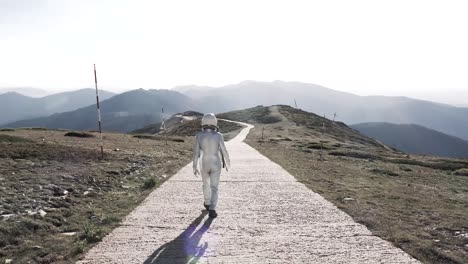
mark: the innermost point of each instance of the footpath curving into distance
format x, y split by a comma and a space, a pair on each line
265, 216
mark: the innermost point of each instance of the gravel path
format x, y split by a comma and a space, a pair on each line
265, 216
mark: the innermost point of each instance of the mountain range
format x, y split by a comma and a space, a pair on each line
27, 91
121, 113
138, 108
350, 108
15, 106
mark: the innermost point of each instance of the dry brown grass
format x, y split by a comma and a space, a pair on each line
64, 177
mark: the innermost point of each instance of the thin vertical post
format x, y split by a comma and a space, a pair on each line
321, 138
99, 113
263, 131
334, 116
295, 103
164, 125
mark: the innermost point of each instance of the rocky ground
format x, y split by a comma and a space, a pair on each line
419, 203
57, 198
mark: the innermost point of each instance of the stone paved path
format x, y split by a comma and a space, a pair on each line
265, 216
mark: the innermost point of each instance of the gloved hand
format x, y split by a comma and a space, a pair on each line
196, 172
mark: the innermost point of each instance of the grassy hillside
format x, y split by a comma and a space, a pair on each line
188, 124
419, 203
415, 139
57, 198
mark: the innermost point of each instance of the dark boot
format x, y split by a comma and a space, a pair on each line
212, 214
207, 207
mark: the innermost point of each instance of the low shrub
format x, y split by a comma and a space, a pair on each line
79, 134
462, 172
149, 183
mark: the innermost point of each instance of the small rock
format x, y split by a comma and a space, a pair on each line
7, 216
65, 192
86, 193
116, 149
42, 213
69, 233
436, 240
347, 199
37, 247
31, 212
8, 261
164, 176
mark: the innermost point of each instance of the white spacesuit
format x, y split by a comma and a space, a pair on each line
209, 144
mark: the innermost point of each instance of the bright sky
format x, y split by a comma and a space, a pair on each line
412, 48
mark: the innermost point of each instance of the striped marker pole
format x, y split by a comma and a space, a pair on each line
164, 125
99, 112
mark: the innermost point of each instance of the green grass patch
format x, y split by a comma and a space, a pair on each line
462, 172
149, 183
13, 139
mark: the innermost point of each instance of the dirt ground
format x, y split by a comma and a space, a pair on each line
57, 198
419, 203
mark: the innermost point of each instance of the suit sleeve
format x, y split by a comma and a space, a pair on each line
222, 147
196, 152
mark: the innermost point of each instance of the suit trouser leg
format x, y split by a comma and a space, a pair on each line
206, 187
214, 183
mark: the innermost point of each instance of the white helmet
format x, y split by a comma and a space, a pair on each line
209, 120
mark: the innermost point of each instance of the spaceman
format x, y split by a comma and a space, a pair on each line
209, 144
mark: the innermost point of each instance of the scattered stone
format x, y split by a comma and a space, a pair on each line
37, 247
31, 212
347, 199
8, 216
68, 233
42, 213
86, 193
8, 261
116, 149
164, 176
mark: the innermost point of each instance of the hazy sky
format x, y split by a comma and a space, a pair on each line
412, 48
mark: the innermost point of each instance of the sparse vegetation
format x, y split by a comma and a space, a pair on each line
12, 139
6, 129
57, 198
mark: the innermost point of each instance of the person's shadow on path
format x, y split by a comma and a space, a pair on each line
184, 248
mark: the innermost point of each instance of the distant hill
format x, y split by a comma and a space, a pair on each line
122, 113
14, 106
415, 139
27, 91
297, 119
350, 108
186, 124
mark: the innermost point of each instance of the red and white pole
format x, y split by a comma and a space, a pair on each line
99, 112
